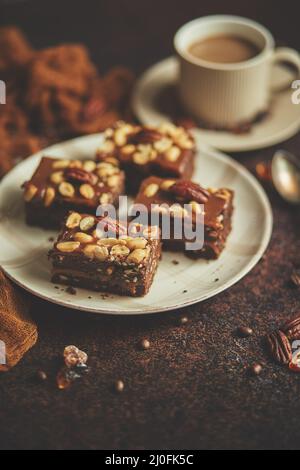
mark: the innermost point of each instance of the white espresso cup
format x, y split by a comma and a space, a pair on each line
228, 94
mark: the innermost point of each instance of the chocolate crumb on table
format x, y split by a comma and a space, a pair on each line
59, 186
169, 198
97, 253
167, 151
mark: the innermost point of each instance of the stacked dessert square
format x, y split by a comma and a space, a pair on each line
154, 164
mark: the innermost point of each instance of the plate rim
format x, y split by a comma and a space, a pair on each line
136, 103
260, 192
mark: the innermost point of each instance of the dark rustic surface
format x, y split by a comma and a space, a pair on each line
190, 389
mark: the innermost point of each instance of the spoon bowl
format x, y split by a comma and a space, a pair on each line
286, 175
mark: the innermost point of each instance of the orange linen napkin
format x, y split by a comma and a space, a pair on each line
18, 333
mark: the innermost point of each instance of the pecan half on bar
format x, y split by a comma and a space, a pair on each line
279, 347
190, 192
79, 176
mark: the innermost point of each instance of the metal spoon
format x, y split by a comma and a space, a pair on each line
286, 175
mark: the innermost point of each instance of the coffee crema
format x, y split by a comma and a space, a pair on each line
224, 49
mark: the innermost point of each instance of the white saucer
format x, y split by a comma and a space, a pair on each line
282, 122
23, 254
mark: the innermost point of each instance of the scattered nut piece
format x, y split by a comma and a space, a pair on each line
256, 369
145, 344
41, 375
244, 331
68, 247
119, 386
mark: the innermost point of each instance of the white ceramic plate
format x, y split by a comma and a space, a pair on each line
23, 253
281, 124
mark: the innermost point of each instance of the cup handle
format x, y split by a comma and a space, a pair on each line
289, 56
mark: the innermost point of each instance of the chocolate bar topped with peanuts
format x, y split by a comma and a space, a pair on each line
59, 186
99, 253
166, 151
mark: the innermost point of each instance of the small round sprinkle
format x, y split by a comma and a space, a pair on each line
244, 331
256, 369
41, 375
183, 320
145, 344
119, 386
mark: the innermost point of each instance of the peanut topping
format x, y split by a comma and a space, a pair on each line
163, 144
173, 154
166, 185
61, 164
119, 251
136, 243
49, 196
83, 237
57, 177
107, 147
73, 220
105, 198
75, 164
30, 192
101, 253
113, 181
111, 241
87, 223
87, 191
128, 149
137, 256
106, 169
89, 165
89, 250
66, 189
68, 247
151, 190
140, 158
